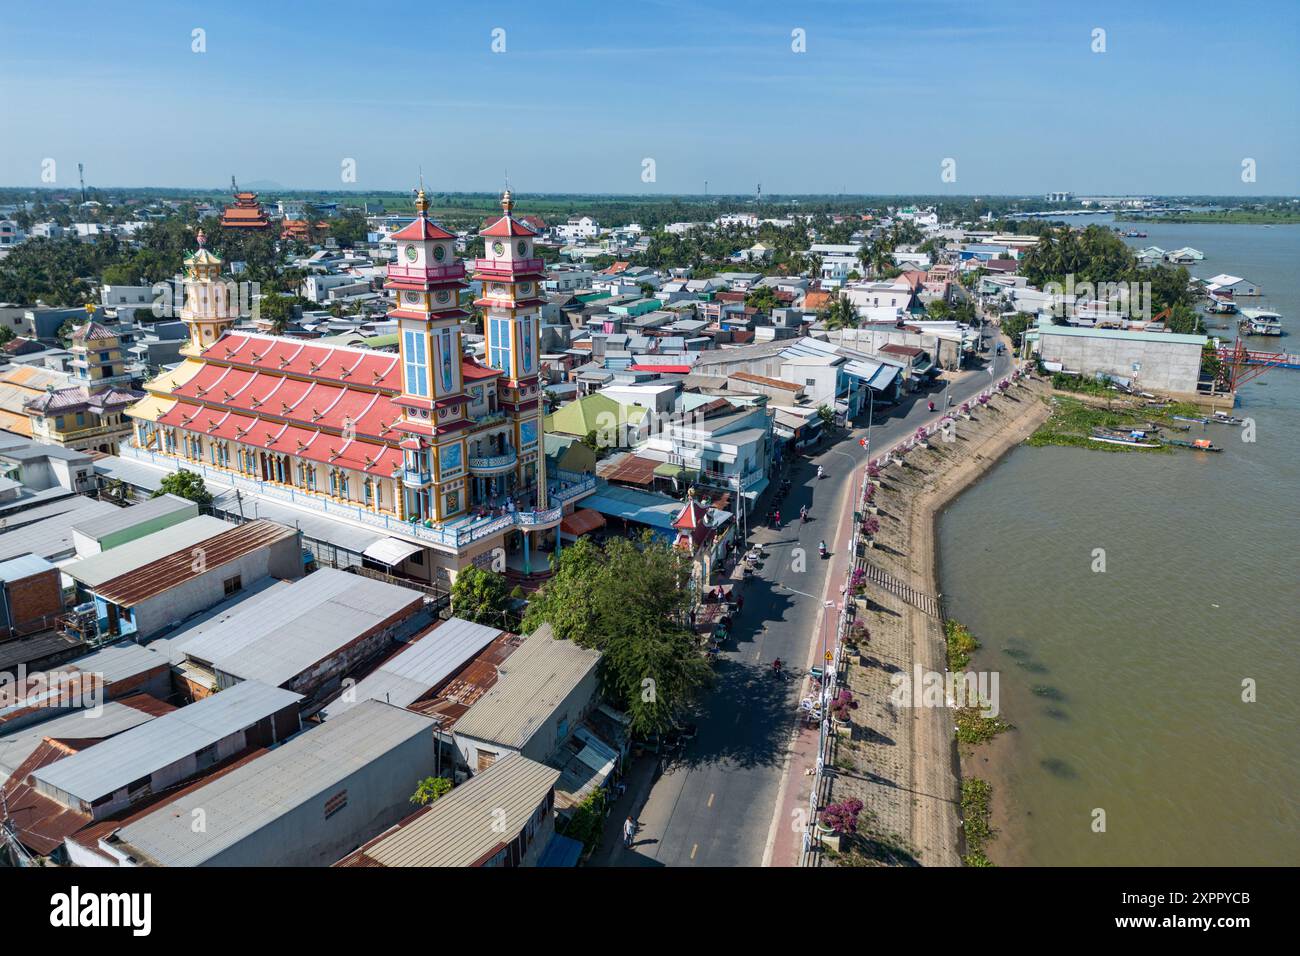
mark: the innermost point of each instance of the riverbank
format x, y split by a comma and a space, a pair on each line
900, 760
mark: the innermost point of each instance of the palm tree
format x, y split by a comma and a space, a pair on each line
839, 314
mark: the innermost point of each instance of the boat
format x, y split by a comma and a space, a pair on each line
1188, 418
1220, 306
1134, 439
1200, 444
1221, 419
1260, 322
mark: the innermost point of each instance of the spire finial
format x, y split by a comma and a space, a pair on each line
507, 201
202, 239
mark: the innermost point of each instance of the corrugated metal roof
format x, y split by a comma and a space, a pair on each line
25, 566
303, 624
421, 666
240, 803
187, 563
100, 568
47, 529
534, 681
137, 753
114, 718
466, 825
122, 518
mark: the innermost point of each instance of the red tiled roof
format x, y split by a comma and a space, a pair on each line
507, 226
329, 404
422, 228
909, 350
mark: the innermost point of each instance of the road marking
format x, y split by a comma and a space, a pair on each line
694, 847
710, 803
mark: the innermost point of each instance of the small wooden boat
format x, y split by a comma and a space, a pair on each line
1199, 444
1188, 418
1222, 419
1134, 439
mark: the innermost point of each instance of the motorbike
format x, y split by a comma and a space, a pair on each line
821, 549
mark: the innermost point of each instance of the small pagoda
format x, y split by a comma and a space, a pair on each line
245, 212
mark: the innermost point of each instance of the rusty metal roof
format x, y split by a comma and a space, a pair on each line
127, 590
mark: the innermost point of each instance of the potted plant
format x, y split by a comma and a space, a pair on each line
922, 438
873, 473
869, 528
837, 821
842, 707
870, 498
965, 410
859, 633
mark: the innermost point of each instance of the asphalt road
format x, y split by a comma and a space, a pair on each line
714, 806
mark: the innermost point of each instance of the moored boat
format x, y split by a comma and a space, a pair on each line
1199, 444
1260, 322
1133, 439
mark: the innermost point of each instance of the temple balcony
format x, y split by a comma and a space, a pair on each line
494, 464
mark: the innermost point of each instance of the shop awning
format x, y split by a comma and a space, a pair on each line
391, 551
583, 521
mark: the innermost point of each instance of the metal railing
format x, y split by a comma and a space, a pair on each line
450, 536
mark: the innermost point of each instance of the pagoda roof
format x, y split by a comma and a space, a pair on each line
298, 398
420, 228
507, 225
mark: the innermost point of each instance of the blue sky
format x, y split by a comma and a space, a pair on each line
585, 92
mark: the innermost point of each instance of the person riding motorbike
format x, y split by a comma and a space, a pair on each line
821, 548
803, 513
819, 471
776, 666
931, 404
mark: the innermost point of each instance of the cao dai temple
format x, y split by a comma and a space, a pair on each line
444, 453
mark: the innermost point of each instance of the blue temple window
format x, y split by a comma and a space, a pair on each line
417, 364
500, 351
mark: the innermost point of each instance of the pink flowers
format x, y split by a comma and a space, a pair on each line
843, 817
870, 527
843, 706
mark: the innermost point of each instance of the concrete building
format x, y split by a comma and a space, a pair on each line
545, 688
304, 637
147, 759
144, 586
455, 830
1162, 362
303, 804
128, 524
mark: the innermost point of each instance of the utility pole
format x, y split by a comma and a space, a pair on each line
81, 176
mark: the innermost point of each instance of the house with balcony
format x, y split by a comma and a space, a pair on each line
90, 413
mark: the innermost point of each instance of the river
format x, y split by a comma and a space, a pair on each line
1125, 686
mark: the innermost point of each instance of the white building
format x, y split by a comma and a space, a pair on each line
581, 227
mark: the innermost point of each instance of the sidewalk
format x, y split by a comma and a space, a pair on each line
639, 778
786, 843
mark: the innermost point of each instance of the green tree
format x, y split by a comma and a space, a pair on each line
763, 298
278, 310
839, 314
185, 484
630, 600
430, 789
484, 598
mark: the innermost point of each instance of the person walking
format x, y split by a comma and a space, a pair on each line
629, 831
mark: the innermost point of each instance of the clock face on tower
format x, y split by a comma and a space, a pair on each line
410, 253
498, 249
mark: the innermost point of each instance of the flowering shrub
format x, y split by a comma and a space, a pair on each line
858, 576
965, 408
869, 493
873, 470
843, 817
984, 399
871, 526
843, 705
